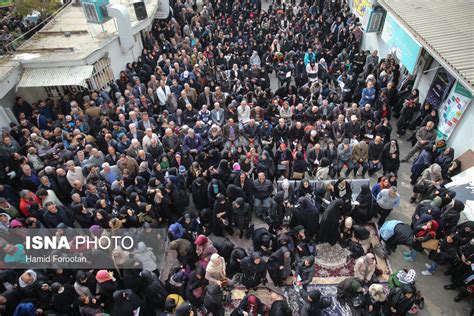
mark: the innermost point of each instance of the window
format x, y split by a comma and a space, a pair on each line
102, 75
53, 92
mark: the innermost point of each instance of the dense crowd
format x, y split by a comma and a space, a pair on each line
192, 138
13, 25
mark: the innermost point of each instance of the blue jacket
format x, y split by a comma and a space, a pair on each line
309, 57
388, 229
368, 96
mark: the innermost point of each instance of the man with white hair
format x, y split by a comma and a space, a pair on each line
218, 115
149, 135
110, 173
243, 111
135, 133
133, 118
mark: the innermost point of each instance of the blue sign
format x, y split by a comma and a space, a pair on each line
401, 43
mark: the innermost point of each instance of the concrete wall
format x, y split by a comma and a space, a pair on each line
371, 41
7, 87
32, 94
8, 100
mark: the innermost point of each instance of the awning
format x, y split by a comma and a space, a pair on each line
60, 76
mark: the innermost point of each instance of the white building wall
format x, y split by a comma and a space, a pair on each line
118, 59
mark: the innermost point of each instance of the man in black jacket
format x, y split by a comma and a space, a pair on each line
375, 155
280, 132
263, 188
254, 271
54, 215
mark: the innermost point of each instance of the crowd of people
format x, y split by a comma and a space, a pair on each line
192, 138
13, 25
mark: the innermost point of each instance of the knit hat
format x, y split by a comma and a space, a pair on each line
406, 277
236, 166
102, 276
201, 240
182, 169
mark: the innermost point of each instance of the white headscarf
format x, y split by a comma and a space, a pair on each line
216, 267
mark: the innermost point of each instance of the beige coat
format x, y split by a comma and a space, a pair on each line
360, 151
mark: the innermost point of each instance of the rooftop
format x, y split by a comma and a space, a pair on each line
52, 44
444, 28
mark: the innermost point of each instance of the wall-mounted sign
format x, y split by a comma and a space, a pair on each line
373, 19
439, 89
452, 109
401, 43
360, 6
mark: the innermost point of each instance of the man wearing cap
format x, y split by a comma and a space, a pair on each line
353, 128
